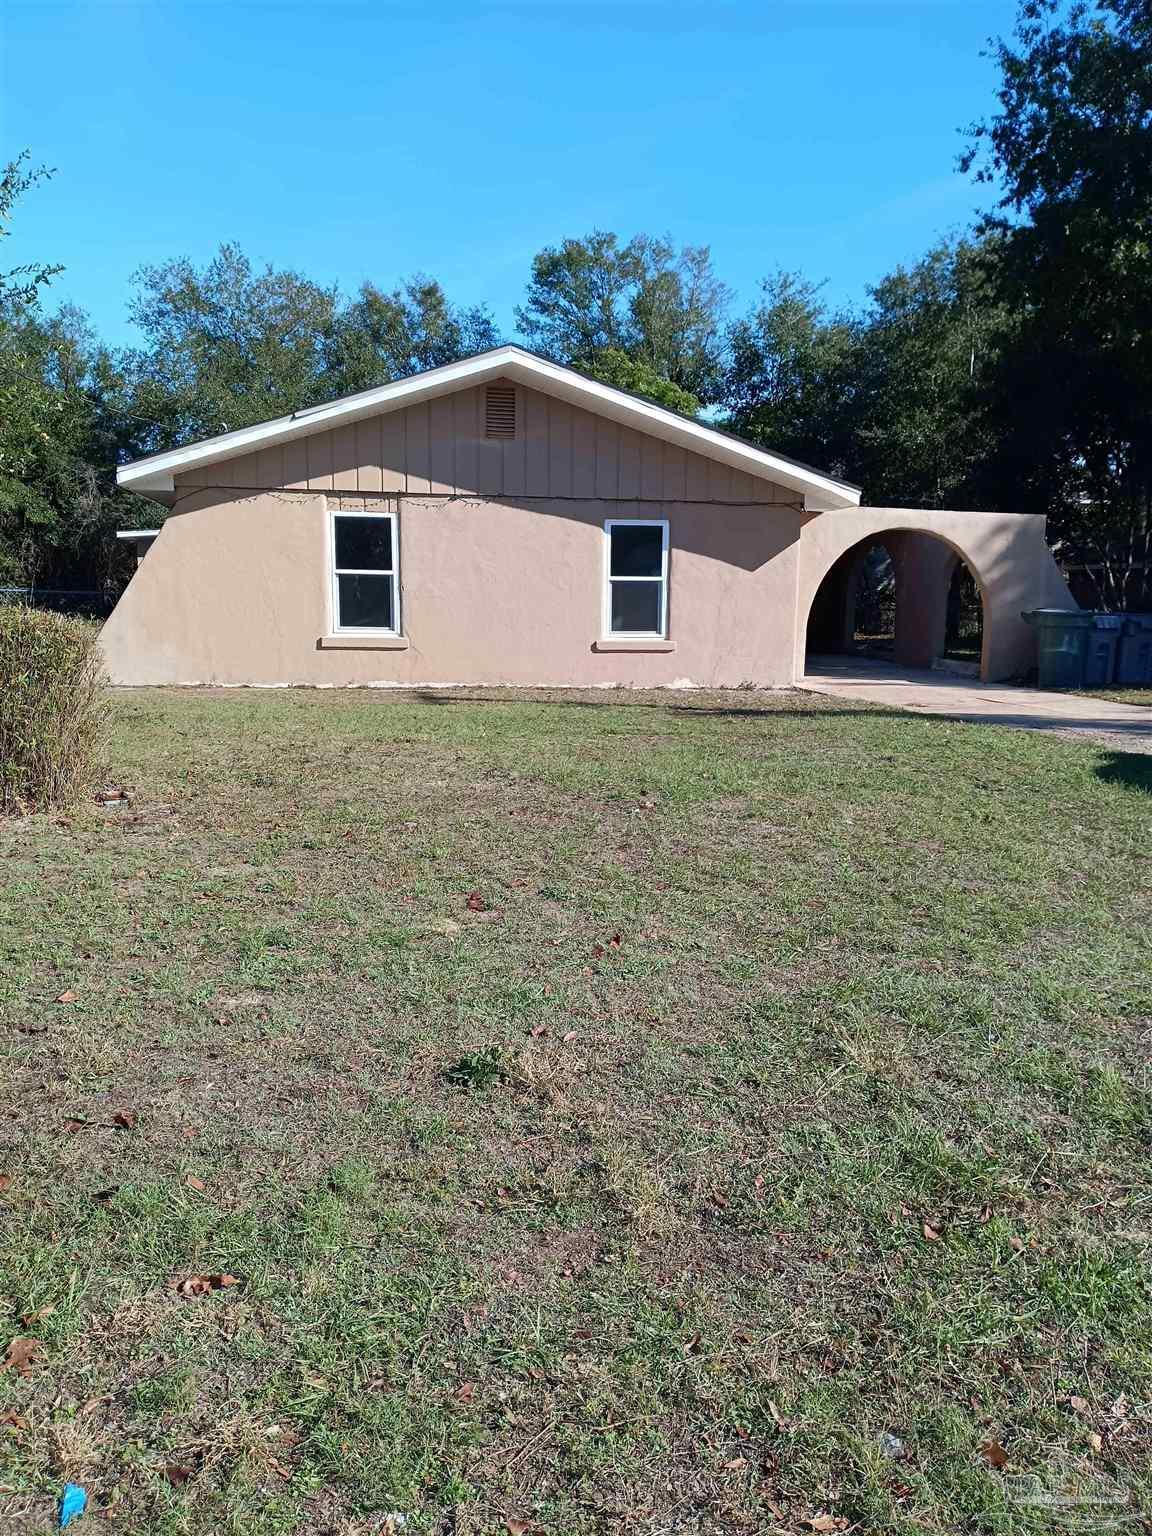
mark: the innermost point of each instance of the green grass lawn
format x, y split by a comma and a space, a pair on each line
619, 1112
1141, 696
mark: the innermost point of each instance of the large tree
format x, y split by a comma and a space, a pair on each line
382, 336
58, 446
920, 427
661, 306
21, 285
892, 396
1070, 151
57, 492
224, 346
790, 377
227, 345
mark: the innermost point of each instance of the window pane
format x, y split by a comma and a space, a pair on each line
365, 602
364, 543
636, 550
635, 607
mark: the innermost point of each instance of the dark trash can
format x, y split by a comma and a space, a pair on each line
1075, 647
1134, 652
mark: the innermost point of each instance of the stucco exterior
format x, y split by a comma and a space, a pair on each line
1006, 552
501, 557
235, 590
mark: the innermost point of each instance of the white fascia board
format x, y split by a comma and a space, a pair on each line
156, 474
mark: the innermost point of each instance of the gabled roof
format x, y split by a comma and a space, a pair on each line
154, 475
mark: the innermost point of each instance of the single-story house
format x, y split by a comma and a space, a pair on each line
505, 520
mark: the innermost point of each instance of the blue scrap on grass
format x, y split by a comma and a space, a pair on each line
73, 1502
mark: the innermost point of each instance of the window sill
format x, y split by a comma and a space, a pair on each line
366, 642
622, 644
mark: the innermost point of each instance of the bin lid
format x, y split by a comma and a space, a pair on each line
1060, 618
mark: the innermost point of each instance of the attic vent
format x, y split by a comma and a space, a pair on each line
500, 411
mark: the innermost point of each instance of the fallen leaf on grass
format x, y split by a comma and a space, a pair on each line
21, 1355
1081, 1404
600, 950
475, 902
67, 997
5, 1183
538, 1031
72, 1125
826, 1522
124, 1119
931, 1234
30, 1319
177, 1474
13, 1421
194, 1183
994, 1453
570, 1036
465, 1392
518, 1527
204, 1285
1095, 1442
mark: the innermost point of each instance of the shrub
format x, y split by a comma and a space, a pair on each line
52, 708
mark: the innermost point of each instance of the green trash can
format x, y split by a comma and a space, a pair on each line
1134, 653
1075, 647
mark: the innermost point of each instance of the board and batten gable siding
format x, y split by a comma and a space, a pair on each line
438, 448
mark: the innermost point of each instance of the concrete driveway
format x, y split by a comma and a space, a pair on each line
1128, 726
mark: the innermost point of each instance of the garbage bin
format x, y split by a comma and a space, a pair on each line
1076, 648
1134, 653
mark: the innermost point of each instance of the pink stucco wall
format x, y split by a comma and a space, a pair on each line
235, 590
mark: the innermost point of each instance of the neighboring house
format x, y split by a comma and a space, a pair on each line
507, 520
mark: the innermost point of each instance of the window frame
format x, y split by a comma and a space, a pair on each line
335, 572
606, 630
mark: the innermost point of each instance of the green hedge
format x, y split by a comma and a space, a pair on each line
52, 708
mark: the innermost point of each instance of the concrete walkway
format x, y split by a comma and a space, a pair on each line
1127, 726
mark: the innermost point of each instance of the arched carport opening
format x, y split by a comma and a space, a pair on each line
903, 596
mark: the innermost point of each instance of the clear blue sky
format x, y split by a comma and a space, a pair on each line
354, 139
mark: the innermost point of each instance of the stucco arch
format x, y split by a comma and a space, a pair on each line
1006, 553
923, 566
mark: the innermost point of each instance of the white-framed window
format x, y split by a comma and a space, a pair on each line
365, 562
636, 578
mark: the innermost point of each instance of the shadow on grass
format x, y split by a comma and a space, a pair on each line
625, 699
1133, 770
